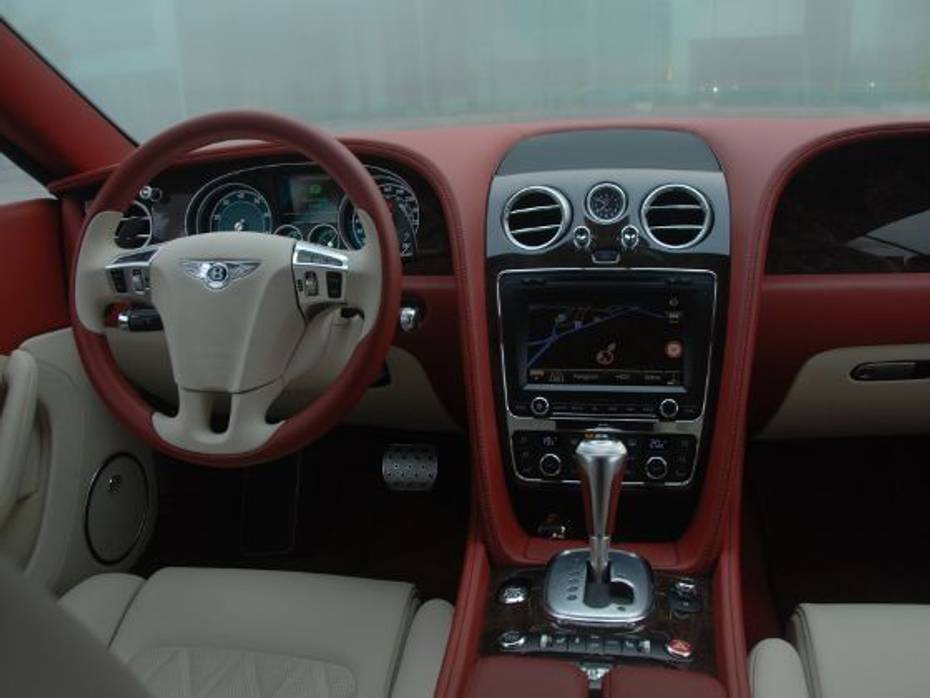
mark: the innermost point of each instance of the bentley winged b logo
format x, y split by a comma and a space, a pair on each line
218, 274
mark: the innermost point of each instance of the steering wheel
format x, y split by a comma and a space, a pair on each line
243, 314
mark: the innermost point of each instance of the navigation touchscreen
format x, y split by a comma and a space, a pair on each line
638, 342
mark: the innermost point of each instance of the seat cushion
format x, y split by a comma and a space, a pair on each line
847, 651
863, 650
217, 632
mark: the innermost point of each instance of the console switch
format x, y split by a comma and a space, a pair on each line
550, 465
539, 406
668, 408
549, 456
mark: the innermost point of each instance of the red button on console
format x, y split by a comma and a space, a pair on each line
680, 649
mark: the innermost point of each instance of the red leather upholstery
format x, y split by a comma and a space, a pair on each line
32, 278
651, 682
512, 677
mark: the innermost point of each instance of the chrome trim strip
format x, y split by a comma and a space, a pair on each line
570, 569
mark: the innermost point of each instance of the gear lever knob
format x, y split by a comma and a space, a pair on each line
601, 459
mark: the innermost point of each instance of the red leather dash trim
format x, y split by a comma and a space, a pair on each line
32, 278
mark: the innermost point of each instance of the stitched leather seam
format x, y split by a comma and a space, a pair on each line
122, 617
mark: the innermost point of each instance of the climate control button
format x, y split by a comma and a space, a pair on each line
539, 406
668, 408
656, 468
550, 465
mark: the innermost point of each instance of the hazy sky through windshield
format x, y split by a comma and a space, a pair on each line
351, 63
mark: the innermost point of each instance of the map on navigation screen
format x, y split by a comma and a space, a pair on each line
635, 344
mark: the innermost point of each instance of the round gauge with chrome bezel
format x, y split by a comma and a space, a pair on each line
605, 203
405, 210
326, 234
238, 207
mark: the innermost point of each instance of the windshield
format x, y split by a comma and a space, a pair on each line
388, 63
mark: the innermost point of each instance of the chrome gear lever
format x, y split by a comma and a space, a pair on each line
601, 462
617, 587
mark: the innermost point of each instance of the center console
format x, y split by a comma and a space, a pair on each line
607, 271
607, 268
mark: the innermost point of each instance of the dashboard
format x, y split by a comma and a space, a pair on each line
529, 203
287, 197
776, 207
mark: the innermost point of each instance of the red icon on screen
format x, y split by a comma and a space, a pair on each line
674, 349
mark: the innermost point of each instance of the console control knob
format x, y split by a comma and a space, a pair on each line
539, 406
550, 465
686, 588
513, 593
511, 640
668, 408
629, 237
582, 238
656, 468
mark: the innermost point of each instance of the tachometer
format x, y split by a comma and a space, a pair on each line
241, 208
405, 209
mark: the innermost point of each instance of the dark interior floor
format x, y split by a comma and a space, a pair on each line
835, 521
323, 510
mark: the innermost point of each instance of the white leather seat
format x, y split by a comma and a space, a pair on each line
214, 633
846, 651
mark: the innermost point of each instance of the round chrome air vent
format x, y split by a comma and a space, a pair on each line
676, 216
605, 203
135, 228
536, 217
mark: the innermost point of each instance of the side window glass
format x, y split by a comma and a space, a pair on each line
17, 185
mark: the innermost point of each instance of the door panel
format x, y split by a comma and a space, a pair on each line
72, 435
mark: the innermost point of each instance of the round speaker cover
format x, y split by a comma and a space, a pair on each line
116, 508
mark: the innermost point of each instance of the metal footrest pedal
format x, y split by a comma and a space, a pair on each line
410, 467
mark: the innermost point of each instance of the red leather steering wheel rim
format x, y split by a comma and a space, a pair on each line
363, 367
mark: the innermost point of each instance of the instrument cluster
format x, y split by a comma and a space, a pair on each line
291, 197
301, 202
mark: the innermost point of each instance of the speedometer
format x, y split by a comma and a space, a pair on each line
241, 208
405, 210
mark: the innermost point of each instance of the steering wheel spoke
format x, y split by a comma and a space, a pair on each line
193, 428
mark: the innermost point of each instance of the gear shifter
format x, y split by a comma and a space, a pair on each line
599, 585
601, 464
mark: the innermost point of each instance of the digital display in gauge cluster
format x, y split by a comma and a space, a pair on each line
310, 209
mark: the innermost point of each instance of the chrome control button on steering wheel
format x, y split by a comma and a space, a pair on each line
129, 274
319, 276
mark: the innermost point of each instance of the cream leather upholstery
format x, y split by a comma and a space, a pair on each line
775, 671
216, 633
45, 652
847, 651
